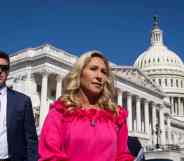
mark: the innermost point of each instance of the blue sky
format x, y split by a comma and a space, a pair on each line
118, 28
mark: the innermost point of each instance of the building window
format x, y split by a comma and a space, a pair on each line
171, 82
176, 83
149, 61
144, 62
160, 82
158, 60
165, 82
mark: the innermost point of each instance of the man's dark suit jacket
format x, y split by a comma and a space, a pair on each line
134, 146
21, 131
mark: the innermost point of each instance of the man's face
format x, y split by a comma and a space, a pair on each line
4, 68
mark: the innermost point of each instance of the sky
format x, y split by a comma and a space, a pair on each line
118, 28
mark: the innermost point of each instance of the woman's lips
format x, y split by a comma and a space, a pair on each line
97, 84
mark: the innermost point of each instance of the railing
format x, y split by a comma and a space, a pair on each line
167, 147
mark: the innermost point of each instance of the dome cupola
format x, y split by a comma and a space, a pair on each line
156, 34
158, 55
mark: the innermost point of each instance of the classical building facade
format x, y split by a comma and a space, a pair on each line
166, 70
152, 90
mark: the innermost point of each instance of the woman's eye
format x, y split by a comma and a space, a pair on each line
104, 72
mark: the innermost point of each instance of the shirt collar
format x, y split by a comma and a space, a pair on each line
3, 91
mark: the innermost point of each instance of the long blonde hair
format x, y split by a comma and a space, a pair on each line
72, 83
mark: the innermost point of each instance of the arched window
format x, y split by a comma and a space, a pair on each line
158, 60
144, 62
176, 83
171, 82
149, 61
160, 82
165, 82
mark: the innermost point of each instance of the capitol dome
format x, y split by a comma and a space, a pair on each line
158, 55
163, 66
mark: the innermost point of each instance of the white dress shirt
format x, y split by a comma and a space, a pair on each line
3, 128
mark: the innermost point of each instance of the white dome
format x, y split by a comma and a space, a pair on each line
158, 55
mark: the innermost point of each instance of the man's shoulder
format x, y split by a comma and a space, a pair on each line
134, 140
17, 93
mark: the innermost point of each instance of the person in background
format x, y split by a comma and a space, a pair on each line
135, 147
84, 124
18, 138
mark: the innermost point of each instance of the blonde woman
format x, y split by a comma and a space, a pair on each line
85, 124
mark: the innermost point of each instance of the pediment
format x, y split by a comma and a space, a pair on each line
45, 50
136, 76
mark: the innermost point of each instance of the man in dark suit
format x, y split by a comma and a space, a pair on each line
18, 138
135, 146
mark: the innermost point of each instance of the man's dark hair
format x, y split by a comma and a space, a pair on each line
134, 146
5, 56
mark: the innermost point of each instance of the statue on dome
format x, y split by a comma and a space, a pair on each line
155, 21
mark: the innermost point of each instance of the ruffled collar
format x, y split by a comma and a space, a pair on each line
90, 113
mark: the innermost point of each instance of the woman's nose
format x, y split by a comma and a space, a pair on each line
99, 75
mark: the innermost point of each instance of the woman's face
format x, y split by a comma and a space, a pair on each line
93, 77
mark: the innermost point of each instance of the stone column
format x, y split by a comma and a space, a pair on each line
44, 106
157, 82
30, 86
154, 122
18, 84
32, 91
168, 82
182, 106
129, 106
163, 82
58, 86
162, 127
169, 130
138, 113
174, 82
172, 105
120, 97
146, 115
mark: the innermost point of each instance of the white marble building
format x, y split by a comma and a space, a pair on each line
152, 90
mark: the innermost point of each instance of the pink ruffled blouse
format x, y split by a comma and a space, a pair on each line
84, 135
